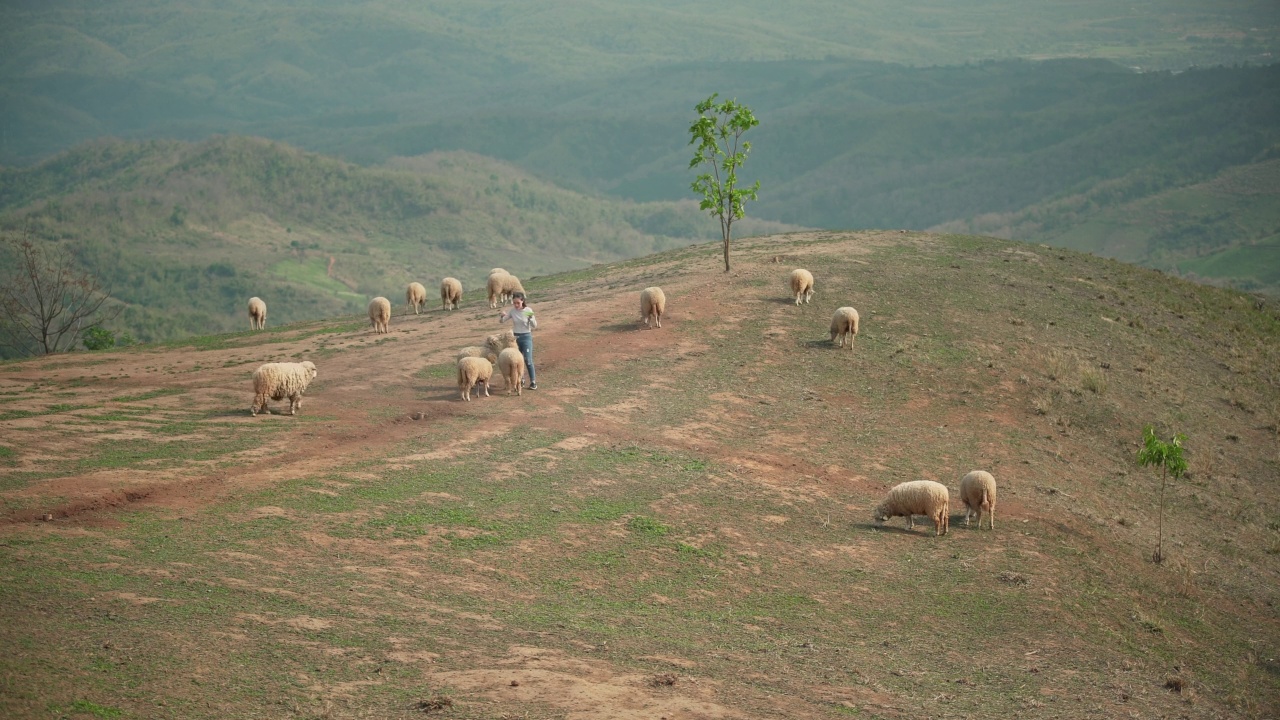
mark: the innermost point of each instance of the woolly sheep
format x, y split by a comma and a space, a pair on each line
844, 323
801, 285
500, 341
511, 365
278, 381
652, 304
510, 284
494, 285
257, 314
473, 371
477, 351
978, 493
380, 314
415, 296
918, 497
450, 293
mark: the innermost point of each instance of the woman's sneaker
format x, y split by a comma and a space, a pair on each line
533, 386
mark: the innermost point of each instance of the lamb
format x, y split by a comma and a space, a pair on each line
918, 497
511, 365
500, 341
844, 323
416, 296
802, 285
978, 493
278, 381
257, 314
477, 351
380, 314
450, 293
652, 304
473, 371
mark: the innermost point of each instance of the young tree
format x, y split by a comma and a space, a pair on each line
45, 302
1168, 455
718, 135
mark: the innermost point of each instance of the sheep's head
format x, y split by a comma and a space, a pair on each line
310, 366
880, 515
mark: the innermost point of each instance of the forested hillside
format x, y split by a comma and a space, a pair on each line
183, 234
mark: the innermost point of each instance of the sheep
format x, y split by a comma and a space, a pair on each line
494, 285
473, 371
380, 314
477, 351
844, 323
652, 304
978, 493
918, 497
511, 365
510, 284
802, 285
500, 341
257, 314
450, 293
278, 381
415, 296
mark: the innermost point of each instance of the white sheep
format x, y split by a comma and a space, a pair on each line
278, 381
978, 493
380, 314
477, 351
511, 365
415, 296
257, 314
510, 284
653, 302
844, 323
801, 285
918, 497
500, 341
494, 286
473, 371
450, 293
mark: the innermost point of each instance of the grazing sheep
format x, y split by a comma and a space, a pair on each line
652, 304
477, 351
918, 497
844, 323
500, 341
450, 293
510, 284
473, 371
511, 365
801, 285
415, 296
494, 285
257, 314
380, 314
278, 381
978, 493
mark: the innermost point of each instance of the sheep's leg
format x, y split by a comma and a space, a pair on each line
911, 521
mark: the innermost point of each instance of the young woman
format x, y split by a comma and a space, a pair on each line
522, 324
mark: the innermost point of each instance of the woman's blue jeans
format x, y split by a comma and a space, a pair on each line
524, 341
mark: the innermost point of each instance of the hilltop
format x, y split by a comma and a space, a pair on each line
185, 233
677, 523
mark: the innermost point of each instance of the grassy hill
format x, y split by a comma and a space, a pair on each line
185, 233
1223, 230
678, 522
